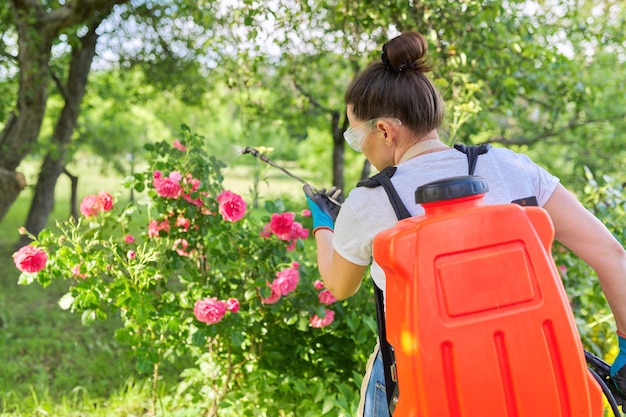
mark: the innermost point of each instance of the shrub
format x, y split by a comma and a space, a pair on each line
207, 279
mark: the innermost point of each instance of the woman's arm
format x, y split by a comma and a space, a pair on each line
589, 239
341, 277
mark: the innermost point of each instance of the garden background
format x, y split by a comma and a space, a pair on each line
97, 91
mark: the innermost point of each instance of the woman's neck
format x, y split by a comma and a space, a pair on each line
424, 146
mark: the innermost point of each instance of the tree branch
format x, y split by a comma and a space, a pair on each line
573, 124
314, 102
73, 12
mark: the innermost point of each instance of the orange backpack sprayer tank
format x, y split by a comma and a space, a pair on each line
477, 313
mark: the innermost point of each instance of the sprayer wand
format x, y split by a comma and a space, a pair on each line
264, 158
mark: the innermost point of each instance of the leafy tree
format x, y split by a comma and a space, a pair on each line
560, 110
503, 67
38, 26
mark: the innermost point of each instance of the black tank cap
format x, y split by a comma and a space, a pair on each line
449, 188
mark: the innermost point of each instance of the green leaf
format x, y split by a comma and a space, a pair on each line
144, 365
300, 386
44, 279
290, 319
328, 405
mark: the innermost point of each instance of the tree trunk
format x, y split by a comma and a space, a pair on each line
37, 28
366, 170
22, 129
338, 149
54, 162
11, 183
74, 195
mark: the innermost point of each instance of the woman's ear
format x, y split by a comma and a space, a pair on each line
389, 128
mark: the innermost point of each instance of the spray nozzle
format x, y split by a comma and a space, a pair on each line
255, 152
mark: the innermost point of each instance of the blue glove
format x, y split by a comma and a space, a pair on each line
618, 368
323, 209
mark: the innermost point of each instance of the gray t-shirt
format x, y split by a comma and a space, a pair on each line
367, 211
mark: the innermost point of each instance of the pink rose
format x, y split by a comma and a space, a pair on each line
179, 145
232, 305
231, 206
89, 206
168, 187
131, 254
286, 281
197, 202
183, 222
155, 227
318, 322
305, 213
175, 176
318, 284
266, 232
209, 310
129, 239
195, 184
76, 272
105, 201
281, 224
180, 246
298, 231
93, 204
30, 259
273, 297
326, 297
285, 228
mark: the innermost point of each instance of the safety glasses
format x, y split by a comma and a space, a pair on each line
355, 136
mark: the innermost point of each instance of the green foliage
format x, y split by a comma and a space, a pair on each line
263, 358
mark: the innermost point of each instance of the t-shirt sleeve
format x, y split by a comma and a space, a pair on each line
542, 181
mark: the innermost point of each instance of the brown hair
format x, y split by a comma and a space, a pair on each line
398, 87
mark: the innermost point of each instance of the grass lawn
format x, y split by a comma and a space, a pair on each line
53, 365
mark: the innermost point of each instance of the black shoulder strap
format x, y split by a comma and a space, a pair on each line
383, 178
472, 152
386, 350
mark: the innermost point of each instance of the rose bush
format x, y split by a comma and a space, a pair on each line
196, 276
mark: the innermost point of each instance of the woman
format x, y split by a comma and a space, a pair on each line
394, 112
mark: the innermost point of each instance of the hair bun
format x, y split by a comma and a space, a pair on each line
406, 51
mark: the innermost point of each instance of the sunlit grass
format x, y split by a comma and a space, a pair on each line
132, 399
